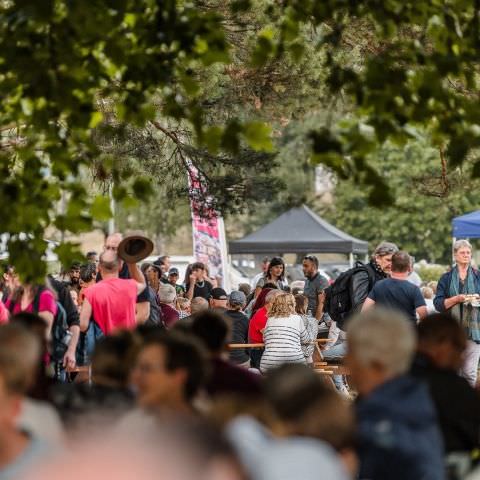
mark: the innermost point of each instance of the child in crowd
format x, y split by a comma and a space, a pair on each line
183, 307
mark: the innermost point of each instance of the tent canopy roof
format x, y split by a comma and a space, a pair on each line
467, 226
298, 231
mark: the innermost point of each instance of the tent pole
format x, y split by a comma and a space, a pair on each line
453, 255
351, 259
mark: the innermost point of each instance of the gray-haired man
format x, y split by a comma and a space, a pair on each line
379, 267
361, 284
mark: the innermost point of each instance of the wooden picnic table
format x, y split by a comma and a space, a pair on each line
236, 346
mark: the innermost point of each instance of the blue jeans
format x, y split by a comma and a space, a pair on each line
335, 354
86, 343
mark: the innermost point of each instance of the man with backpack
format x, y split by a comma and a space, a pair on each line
346, 297
350, 290
66, 326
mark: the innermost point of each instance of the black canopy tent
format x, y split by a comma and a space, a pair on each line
298, 231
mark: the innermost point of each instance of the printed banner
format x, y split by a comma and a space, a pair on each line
209, 242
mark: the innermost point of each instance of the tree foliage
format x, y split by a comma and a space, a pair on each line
280, 93
420, 70
60, 63
213, 82
419, 220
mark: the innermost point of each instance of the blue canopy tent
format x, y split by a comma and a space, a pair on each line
466, 226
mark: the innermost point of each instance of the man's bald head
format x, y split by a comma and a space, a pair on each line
109, 262
113, 241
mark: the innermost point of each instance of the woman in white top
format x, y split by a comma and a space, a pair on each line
283, 335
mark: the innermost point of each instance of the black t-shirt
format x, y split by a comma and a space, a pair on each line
202, 289
125, 274
400, 295
155, 317
239, 335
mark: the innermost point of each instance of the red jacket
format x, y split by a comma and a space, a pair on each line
257, 323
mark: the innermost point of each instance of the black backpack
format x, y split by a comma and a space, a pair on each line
156, 317
338, 296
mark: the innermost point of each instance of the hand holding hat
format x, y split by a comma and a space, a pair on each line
134, 248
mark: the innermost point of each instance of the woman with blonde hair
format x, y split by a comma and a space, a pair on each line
283, 335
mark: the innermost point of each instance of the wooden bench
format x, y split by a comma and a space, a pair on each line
240, 346
322, 365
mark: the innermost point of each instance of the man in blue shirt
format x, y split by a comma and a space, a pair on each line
396, 292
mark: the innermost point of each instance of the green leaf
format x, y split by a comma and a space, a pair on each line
100, 208
129, 203
68, 252
95, 119
212, 138
142, 187
258, 136
130, 19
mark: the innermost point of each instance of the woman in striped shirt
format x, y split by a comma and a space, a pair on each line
283, 335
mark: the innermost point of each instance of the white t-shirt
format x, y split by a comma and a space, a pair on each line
430, 306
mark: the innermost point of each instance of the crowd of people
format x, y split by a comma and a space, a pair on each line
114, 368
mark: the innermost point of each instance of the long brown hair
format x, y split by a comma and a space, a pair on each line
19, 291
301, 304
260, 301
